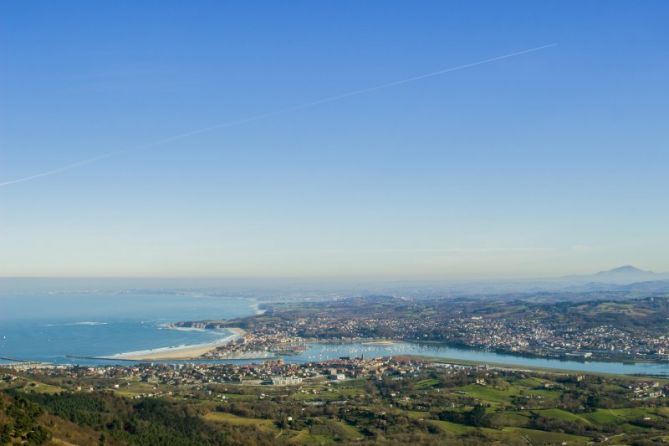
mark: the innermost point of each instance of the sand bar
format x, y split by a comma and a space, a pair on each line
182, 352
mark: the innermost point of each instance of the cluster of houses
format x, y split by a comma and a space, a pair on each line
258, 346
273, 372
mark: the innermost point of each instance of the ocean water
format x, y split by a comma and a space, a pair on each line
55, 327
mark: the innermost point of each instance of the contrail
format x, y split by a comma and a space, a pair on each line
261, 116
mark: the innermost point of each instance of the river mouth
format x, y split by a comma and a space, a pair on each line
323, 351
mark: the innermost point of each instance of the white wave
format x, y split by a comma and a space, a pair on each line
90, 323
170, 326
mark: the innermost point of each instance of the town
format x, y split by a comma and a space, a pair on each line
271, 372
599, 330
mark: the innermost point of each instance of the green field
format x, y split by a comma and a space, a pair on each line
468, 407
222, 417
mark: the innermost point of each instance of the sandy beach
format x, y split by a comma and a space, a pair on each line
183, 352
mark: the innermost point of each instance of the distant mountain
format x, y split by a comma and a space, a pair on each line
626, 274
625, 278
621, 275
625, 269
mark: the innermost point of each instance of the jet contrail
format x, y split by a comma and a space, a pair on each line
258, 117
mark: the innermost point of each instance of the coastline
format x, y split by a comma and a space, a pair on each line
192, 351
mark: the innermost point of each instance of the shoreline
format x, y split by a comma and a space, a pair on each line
192, 351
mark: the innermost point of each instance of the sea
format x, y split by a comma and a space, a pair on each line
79, 327
65, 327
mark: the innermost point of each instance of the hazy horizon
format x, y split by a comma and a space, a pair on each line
332, 279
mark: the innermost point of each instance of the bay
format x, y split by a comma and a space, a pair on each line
55, 327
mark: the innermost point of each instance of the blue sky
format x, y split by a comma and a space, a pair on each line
547, 163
